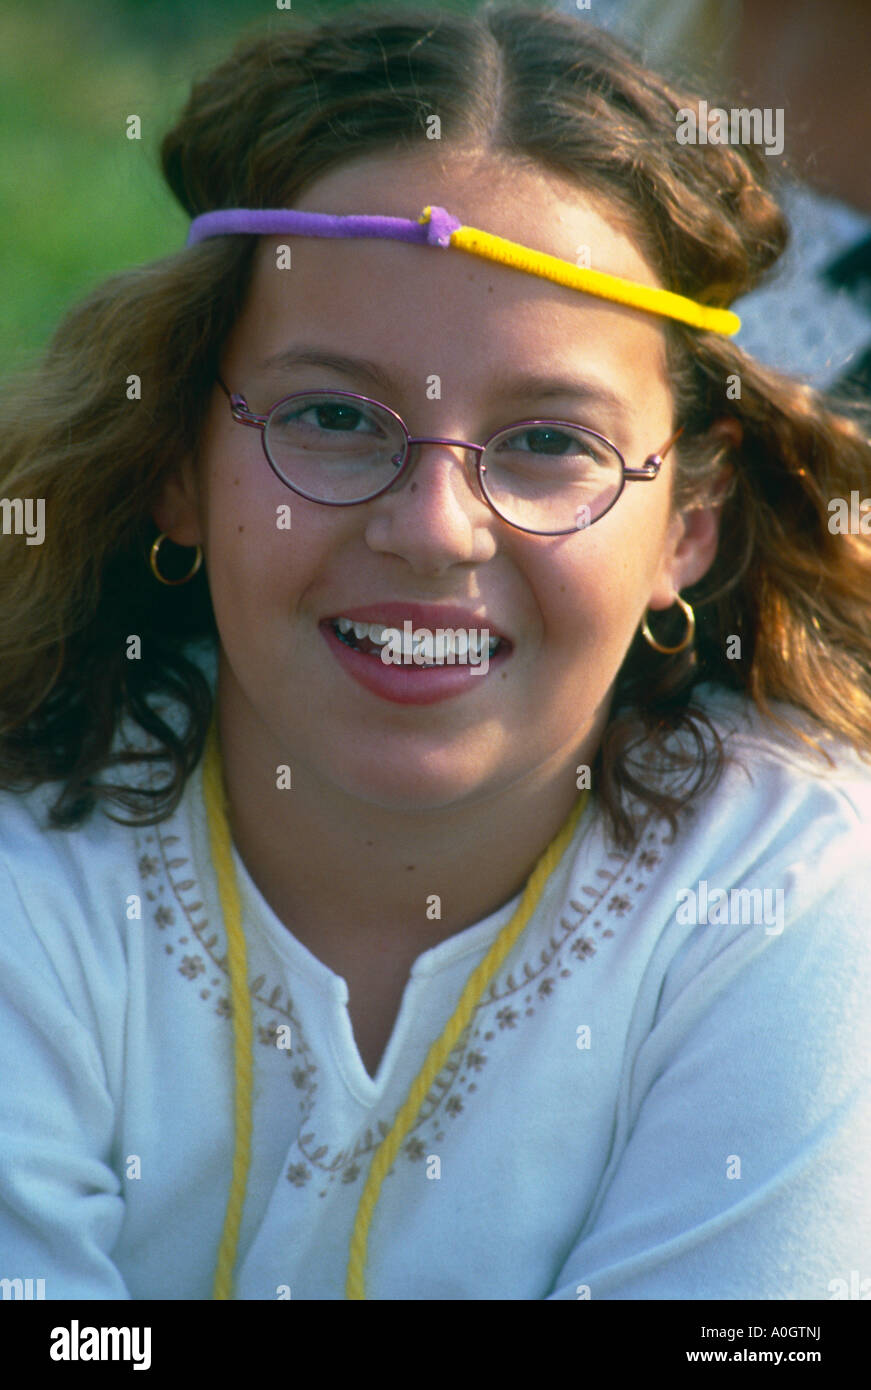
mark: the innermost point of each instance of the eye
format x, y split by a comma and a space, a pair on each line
328, 416
557, 442
544, 440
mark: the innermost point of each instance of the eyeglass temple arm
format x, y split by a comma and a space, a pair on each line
652, 464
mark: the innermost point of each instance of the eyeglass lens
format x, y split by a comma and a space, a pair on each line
548, 476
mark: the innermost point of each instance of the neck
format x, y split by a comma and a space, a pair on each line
339, 871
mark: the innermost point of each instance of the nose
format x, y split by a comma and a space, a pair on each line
438, 526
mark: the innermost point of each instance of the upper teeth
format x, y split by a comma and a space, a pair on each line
456, 640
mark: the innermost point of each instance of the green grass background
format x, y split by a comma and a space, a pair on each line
78, 199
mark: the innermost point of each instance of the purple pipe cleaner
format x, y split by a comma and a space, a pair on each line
278, 221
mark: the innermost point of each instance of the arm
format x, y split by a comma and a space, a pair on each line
744, 1166
60, 1200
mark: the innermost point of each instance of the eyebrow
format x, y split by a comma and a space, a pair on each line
542, 386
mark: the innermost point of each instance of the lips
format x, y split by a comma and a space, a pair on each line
412, 685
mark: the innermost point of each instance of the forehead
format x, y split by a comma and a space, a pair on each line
443, 311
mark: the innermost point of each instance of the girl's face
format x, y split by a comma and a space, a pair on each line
503, 346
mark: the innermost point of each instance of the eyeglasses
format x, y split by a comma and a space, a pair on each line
547, 477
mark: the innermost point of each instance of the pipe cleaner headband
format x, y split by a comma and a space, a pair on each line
436, 227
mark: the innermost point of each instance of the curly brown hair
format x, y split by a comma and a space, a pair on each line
283, 109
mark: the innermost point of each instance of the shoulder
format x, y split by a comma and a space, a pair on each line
791, 800
772, 861
770, 871
84, 873
784, 814
71, 896
65, 896
783, 764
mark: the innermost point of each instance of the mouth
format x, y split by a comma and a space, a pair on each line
412, 663
447, 644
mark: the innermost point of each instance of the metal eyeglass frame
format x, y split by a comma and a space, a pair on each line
646, 473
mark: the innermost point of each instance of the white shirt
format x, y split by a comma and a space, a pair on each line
707, 1136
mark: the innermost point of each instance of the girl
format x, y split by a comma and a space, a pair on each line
529, 963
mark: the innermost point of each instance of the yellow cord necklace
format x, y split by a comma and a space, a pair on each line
385, 1154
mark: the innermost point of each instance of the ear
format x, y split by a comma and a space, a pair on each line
727, 430
176, 511
694, 533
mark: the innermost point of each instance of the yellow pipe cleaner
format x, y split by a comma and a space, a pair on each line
385, 1154
596, 282
240, 999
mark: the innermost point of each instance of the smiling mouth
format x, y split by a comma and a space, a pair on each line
448, 656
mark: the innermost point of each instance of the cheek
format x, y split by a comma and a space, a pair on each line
592, 593
264, 541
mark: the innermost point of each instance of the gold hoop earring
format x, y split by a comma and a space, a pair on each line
156, 572
690, 632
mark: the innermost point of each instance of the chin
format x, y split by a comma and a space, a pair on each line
412, 789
